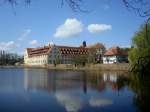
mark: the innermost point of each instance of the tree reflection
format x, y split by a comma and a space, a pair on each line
141, 86
122, 82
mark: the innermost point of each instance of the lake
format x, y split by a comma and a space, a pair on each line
42, 90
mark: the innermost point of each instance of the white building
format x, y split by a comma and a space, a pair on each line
115, 55
49, 54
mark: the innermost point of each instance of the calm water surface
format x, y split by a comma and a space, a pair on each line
41, 90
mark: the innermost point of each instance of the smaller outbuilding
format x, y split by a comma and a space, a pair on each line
115, 55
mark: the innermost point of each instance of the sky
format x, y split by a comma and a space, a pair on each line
43, 22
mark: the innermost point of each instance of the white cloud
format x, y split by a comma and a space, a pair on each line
97, 28
96, 102
33, 42
71, 28
8, 45
24, 34
72, 103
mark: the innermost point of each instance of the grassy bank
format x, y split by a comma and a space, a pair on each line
99, 67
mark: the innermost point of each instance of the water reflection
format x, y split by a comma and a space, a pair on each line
140, 84
71, 102
69, 91
36, 79
96, 101
11, 80
66, 80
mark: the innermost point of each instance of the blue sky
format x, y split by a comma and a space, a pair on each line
108, 22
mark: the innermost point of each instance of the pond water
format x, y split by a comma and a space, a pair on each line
41, 90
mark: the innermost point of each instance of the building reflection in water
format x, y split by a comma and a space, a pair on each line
72, 90
58, 80
69, 86
36, 79
110, 77
41, 79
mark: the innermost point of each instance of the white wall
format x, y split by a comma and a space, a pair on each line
109, 59
35, 60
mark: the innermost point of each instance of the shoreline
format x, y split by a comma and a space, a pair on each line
90, 67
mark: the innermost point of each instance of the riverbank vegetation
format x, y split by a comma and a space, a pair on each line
10, 58
140, 53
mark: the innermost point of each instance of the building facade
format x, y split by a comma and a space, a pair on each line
97, 51
115, 55
51, 54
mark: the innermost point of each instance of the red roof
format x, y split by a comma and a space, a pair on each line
114, 51
65, 50
38, 51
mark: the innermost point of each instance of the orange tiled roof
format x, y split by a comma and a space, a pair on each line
65, 50
38, 51
114, 51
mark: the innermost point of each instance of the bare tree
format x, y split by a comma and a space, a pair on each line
15, 2
75, 5
142, 9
